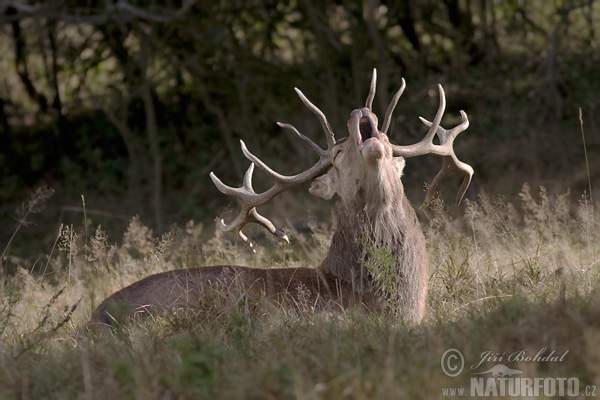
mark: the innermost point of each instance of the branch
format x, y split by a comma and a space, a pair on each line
21, 67
122, 11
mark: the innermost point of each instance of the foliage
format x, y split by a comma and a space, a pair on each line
381, 266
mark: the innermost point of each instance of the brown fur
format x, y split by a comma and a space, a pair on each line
401, 235
176, 289
372, 211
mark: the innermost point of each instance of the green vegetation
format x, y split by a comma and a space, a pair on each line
505, 278
381, 265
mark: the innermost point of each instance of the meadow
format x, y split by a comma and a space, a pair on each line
507, 280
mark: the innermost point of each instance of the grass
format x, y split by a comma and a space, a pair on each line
505, 278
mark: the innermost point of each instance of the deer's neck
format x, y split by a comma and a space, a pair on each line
391, 227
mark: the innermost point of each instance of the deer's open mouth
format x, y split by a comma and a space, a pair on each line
367, 129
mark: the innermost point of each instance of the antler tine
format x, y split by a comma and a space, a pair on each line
249, 199
426, 145
322, 118
372, 90
248, 213
305, 139
284, 182
444, 149
438, 115
451, 163
388, 114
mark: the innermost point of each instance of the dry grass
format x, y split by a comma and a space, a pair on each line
504, 278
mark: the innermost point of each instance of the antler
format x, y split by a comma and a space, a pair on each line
249, 199
388, 114
444, 149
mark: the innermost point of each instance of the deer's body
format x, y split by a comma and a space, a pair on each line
177, 289
341, 281
373, 216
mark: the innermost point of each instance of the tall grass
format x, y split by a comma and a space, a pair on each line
33, 205
505, 277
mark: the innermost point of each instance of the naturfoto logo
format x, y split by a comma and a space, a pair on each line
502, 380
526, 355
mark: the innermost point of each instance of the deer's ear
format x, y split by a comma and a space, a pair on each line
400, 163
323, 186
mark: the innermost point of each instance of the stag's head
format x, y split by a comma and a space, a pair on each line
364, 169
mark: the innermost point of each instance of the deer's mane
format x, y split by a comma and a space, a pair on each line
394, 228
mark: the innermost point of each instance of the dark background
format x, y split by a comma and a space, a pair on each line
132, 104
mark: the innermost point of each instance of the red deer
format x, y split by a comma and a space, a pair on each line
373, 213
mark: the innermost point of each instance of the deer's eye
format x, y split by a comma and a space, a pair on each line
336, 154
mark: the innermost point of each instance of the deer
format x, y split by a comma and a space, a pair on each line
364, 170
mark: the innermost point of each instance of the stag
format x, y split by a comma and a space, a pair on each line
364, 170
